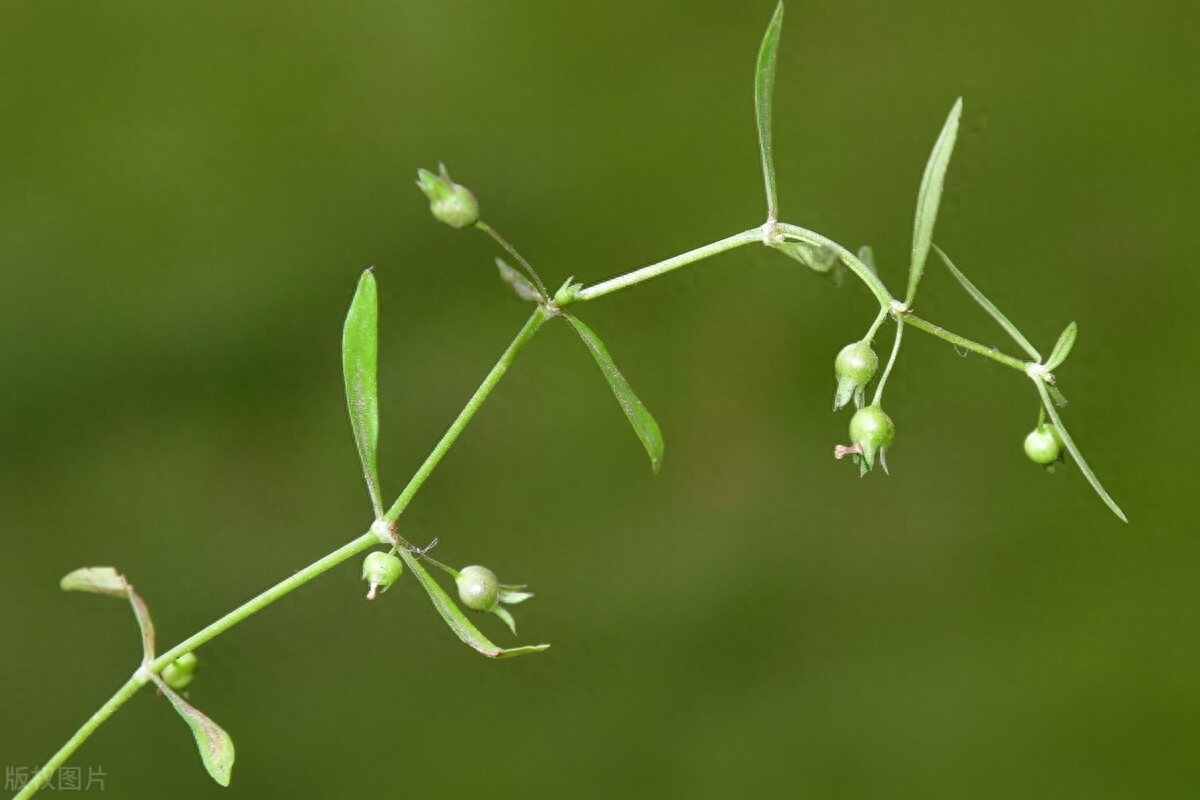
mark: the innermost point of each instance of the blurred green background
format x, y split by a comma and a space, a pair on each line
188, 192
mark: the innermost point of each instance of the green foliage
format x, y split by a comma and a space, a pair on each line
643, 423
764, 87
360, 355
930, 198
871, 430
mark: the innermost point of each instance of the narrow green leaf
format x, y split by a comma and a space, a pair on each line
764, 85
214, 744
929, 198
643, 423
990, 307
100, 580
523, 287
1073, 449
360, 348
867, 256
456, 620
1062, 348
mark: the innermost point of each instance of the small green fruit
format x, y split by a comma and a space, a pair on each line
1044, 445
853, 368
450, 203
180, 672
381, 570
478, 588
872, 432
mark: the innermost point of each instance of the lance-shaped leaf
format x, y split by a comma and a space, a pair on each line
990, 307
521, 285
457, 620
360, 348
764, 85
100, 580
214, 744
643, 423
1062, 348
929, 198
1073, 449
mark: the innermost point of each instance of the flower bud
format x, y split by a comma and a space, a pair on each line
872, 432
854, 368
180, 672
478, 588
1044, 445
449, 202
381, 570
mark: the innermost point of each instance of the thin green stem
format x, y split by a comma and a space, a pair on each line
512, 251
266, 598
849, 259
966, 344
526, 333
298, 579
662, 267
879, 318
130, 687
891, 363
39, 779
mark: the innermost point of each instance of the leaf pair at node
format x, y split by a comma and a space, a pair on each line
215, 745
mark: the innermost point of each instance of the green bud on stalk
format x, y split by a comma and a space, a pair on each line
449, 202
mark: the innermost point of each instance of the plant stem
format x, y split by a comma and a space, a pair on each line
264, 599
247, 609
891, 363
959, 341
298, 579
870, 337
39, 779
662, 267
849, 259
523, 336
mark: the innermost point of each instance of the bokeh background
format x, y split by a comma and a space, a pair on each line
188, 192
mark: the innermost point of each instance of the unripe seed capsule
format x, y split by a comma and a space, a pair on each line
478, 588
872, 431
180, 672
381, 570
1044, 445
853, 368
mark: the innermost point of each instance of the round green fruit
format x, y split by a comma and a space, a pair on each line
1044, 445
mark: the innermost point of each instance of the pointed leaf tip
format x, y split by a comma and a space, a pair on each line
929, 198
989, 306
764, 86
640, 418
1062, 348
360, 353
1076, 453
215, 745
